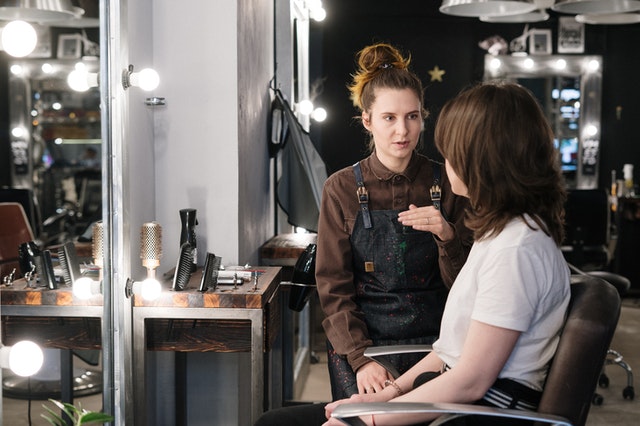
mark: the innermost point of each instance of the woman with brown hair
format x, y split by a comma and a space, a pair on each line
505, 311
391, 237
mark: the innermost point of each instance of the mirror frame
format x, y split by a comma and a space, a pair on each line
589, 69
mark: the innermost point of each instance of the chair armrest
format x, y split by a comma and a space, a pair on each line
377, 352
349, 413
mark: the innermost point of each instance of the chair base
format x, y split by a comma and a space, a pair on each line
85, 382
615, 358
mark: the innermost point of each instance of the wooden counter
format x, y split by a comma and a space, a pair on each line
227, 319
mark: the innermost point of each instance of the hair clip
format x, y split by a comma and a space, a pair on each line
385, 66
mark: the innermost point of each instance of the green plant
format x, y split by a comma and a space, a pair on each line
77, 414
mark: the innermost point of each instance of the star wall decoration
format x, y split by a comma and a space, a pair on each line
436, 74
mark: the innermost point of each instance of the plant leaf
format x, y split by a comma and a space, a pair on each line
94, 417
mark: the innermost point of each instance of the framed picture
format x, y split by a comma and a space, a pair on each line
540, 42
69, 46
570, 35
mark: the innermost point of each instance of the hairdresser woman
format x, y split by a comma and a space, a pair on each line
391, 238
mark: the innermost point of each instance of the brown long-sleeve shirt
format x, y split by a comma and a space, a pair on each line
344, 323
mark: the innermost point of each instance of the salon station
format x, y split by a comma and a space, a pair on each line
162, 164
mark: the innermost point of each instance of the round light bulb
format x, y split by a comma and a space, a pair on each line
590, 130
560, 64
150, 289
318, 14
16, 69
495, 64
148, 79
19, 38
77, 80
25, 358
305, 107
47, 68
319, 114
528, 63
18, 132
82, 288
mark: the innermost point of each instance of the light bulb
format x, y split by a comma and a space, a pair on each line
528, 63
305, 107
25, 358
19, 38
318, 14
495, 64
18, 132
47, 68
82, 80
147, 79
84, 288
560, 64
150, 289
17, 69
319, 114
590, 130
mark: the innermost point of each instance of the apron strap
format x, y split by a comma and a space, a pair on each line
363, 196
436, 190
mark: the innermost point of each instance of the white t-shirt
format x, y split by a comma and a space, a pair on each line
516, 280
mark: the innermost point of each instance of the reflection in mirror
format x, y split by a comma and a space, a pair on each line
55, 136
56, 144
568, 88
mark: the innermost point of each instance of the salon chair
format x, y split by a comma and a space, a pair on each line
573, 375
587, 229
14, 230
586, 249
53, 229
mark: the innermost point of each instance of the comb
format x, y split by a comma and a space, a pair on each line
183, 268
44, 268
68, 258
210, 272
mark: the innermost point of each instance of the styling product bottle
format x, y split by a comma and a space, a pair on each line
627, 171
188, 232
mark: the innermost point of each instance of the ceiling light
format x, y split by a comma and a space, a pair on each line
609, 18
38, 10
19, 38
478, 8
596, 6
535, 16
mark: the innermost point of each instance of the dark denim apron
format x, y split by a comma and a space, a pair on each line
399, 289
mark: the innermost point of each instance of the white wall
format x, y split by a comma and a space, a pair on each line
209, 150
215, 59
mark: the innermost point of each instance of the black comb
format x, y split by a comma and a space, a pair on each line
44, 268
68, 258
183, 267
210, 272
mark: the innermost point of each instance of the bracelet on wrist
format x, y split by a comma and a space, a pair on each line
395, 385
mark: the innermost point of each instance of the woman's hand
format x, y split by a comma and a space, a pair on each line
371, 377
427, 218
383, 396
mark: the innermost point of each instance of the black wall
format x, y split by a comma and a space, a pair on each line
451, 43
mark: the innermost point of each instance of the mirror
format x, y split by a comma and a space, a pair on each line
56, 145
56, 151
569, 90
